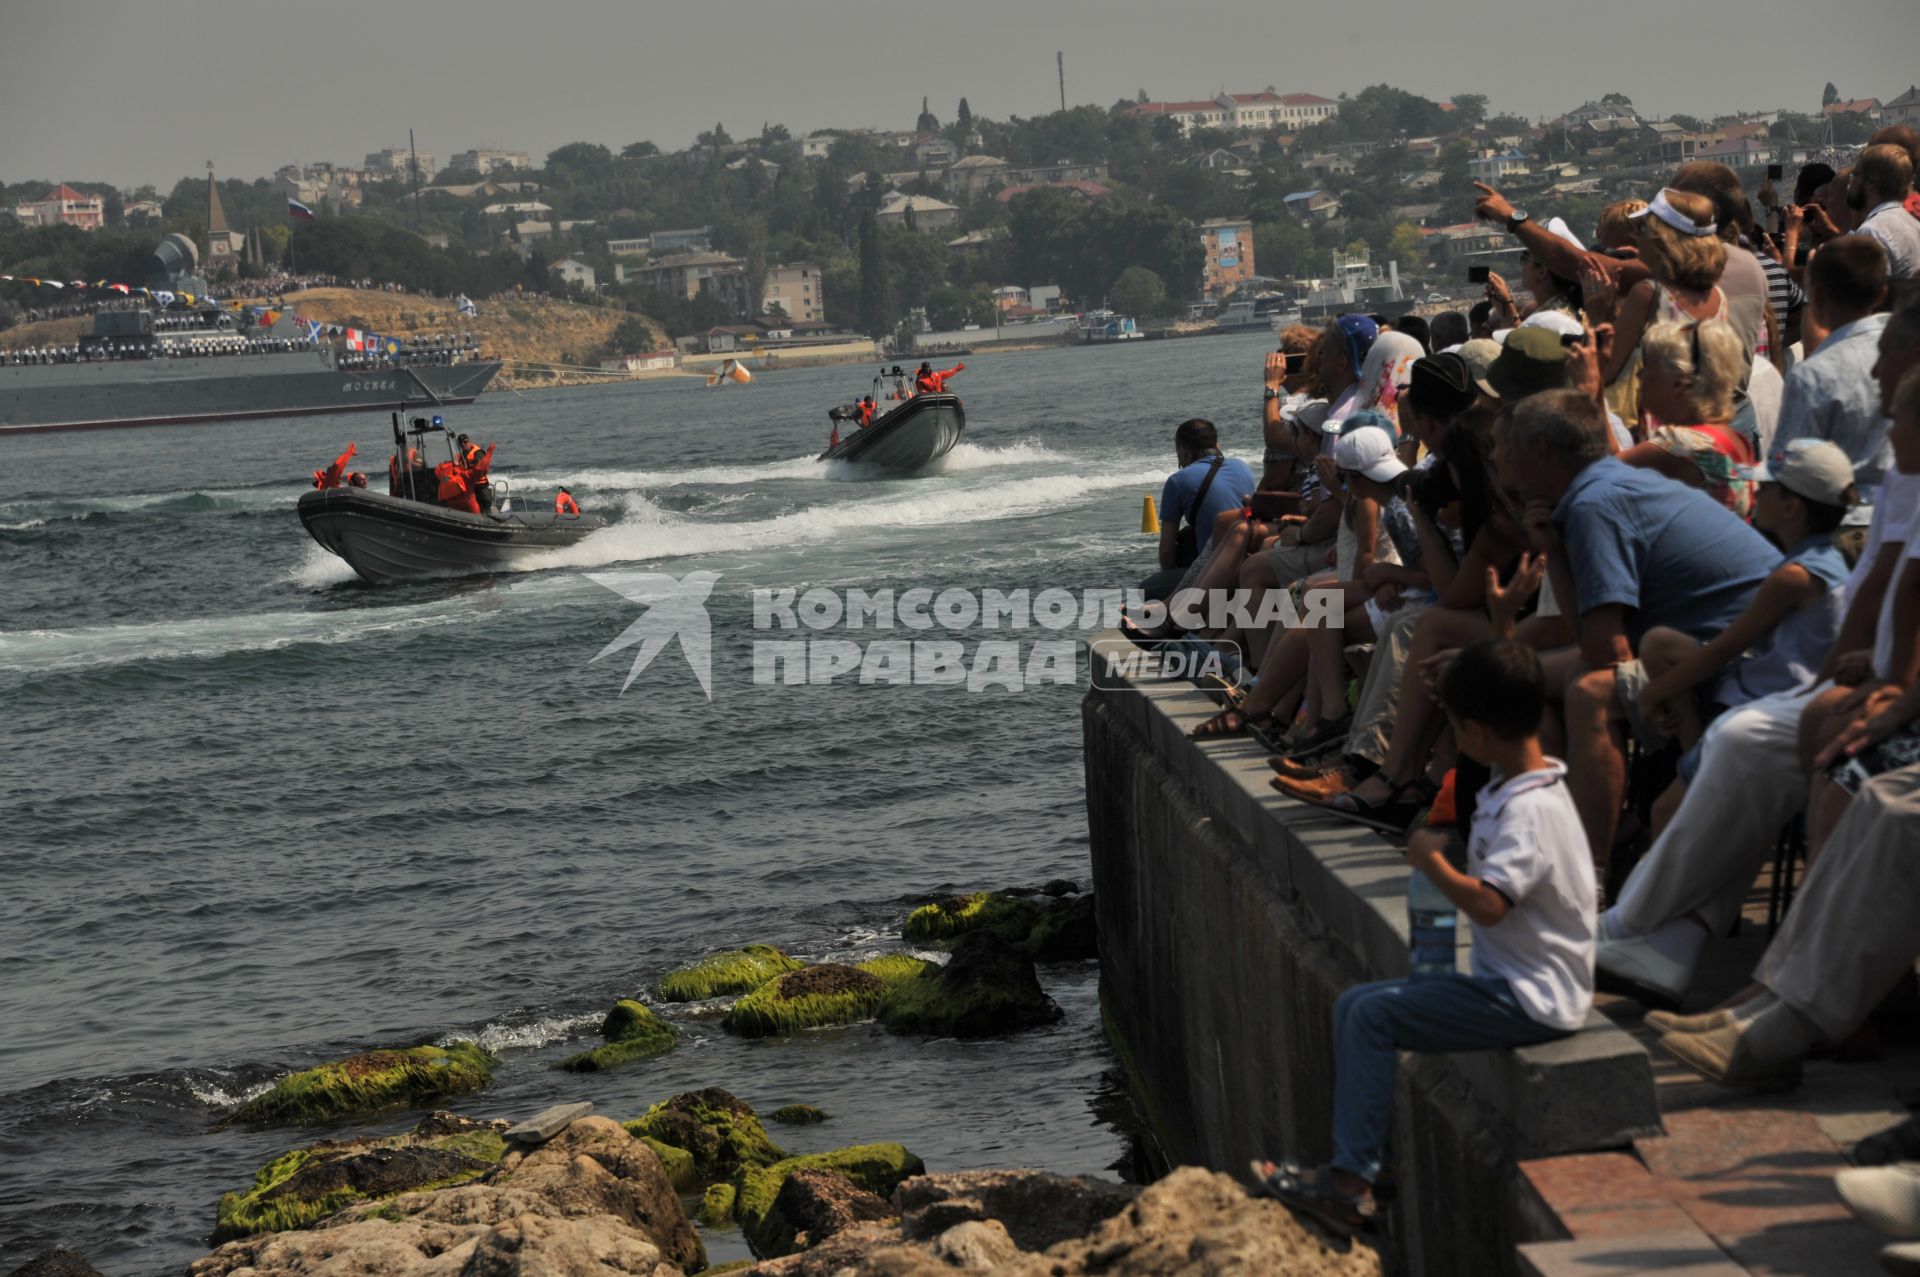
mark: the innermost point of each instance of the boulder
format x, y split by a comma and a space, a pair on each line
1067, 931
988, 988
719, 1132
1060, 887
593, 1199
876, 1168
303, 1186
371, 1081
716, 1204
819, 996
798, 1115
631, 1032
1037, 1208
56, 1263
1009, 917
977, 1245
534, 1131
676, 1162
816, 1204
723, 974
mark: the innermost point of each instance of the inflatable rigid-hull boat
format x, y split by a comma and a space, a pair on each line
386, 539
910, 438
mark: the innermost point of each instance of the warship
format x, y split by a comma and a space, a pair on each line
158, 360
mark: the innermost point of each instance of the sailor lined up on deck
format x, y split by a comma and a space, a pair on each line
929, 382
563, 503
332, 475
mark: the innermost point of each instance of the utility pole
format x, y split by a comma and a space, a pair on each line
1060, 61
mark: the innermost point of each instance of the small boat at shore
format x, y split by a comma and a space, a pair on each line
907, 439
387, 538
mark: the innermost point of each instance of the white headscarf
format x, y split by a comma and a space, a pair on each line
1389, 367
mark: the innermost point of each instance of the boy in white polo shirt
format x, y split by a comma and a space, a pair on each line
1529, 895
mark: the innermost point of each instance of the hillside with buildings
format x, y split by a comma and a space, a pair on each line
961, 223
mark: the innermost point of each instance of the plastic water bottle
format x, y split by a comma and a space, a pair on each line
1430, 924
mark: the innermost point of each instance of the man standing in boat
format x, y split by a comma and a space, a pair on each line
929, 382
866, 410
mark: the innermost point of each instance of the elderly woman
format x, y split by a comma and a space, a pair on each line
1689, 376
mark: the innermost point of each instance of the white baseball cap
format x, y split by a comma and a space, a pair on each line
1814, 469
1673, 217
1369, 451
1564, 322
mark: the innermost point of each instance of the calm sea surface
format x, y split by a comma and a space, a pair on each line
255, 813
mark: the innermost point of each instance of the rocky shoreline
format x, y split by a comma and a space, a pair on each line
570, 1192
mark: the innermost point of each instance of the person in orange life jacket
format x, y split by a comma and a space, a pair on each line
393, 470
330, 477
455, 492
929, 382
866, 412
563, 503
356, 480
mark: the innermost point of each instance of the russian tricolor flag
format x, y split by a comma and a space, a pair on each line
299, 212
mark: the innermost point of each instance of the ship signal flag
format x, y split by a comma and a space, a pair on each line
299, 212
355, 340
314, 329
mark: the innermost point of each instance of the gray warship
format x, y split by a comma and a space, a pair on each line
153, 364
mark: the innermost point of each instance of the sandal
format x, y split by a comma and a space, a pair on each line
1328, 732
1393, 816
1311, 1192
1219, 728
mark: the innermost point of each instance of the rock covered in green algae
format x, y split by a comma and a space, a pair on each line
1009, 917
717, 1130
819, 996
716, 1205
798, 1115
988, 988
1066, 931
632, 1032
675, 1161
306, 1185
877, 1168
370, 1081
723, 974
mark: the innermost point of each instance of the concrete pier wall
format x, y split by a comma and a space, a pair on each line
1230, 920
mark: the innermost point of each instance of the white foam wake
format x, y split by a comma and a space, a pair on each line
534, 1033
648, 532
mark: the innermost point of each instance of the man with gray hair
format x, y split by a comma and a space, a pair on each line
1627, 549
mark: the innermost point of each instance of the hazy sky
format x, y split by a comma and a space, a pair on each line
136, 91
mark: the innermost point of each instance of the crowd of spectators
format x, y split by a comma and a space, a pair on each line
1665, 503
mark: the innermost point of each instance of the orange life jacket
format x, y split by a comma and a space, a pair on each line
565, 504
330, 477
454, 491
866, 412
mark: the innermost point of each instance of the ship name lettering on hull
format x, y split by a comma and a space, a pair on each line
371, 384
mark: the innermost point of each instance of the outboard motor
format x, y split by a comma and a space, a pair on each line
845, 412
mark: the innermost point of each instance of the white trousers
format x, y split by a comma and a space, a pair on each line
1854, 927
1750, 784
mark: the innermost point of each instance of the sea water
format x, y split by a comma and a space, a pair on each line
257, 814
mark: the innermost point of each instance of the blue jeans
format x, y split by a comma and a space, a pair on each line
1372, 1023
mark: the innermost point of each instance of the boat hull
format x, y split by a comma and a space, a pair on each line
388, 539
908, 439
160, 392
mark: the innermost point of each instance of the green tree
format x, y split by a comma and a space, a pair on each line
963, 115
639, 151
928, 122
632, 336
1691, 123
1469, 108
876, 301
1407, 246
1829, 95
1138, 291
1284, 248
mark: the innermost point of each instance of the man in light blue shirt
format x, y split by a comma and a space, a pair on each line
1831, 394
1205, 486
1881, 180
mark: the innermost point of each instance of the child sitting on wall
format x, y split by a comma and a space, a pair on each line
1529, 894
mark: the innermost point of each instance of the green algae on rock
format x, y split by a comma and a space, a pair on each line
1067, 931
307, 1185
878, 1168
988, 988
716, 1206
894, 968
718, 1131
720, 974
817, 997
1009, 917
370, 1081
632, 1032
798, 1115
675, 1161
